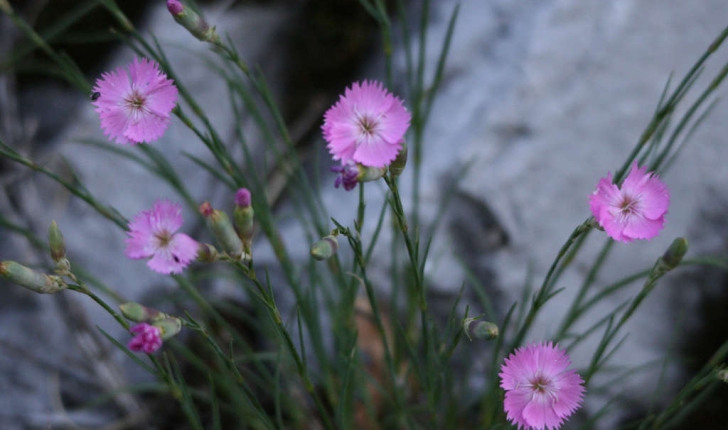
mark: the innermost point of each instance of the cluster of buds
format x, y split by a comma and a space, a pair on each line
34, 280
152, 329
236, 237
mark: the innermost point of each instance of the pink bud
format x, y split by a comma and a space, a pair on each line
242, 197
175, 7
206, 209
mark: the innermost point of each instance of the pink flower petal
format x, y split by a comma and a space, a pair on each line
538, 414
642, 228
146, 129
376, 154
147, 338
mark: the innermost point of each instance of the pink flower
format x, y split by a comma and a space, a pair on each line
367, 125
134, 105
540, 392
635, 211
148, 338
152, 235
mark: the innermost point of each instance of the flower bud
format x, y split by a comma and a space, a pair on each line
206, 253
31, 279
397, 166
325, 248
723, 375
368, 174
193, 22
56, 242
168, 327
140, 313
674, 254
483, 330
220, 226
243, 218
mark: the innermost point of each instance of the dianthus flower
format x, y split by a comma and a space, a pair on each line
367, 125
148, 338
134, 103
152, 235
540, 392
634, 211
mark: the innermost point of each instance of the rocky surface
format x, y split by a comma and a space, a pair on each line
540, 99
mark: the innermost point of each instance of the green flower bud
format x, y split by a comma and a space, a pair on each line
56, 242
243, 218
169, 327
31, 279
674, 254
397, 166
140, 313
220, 226
368, 174
206, 253
193, 22
483, 330
325, 248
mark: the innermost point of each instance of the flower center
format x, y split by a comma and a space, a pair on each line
163, 238
540, 384
368, 127
628, 206
135, 101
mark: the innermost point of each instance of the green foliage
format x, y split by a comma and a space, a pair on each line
387, 367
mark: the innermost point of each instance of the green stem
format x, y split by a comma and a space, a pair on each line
543, 293
81, 288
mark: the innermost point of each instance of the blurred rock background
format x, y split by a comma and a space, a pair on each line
540, 97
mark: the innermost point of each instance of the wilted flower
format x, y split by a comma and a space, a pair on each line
134, 103
347, 175
634, 211
367, 125
152, 235
350, 174
148, 338
540, 391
